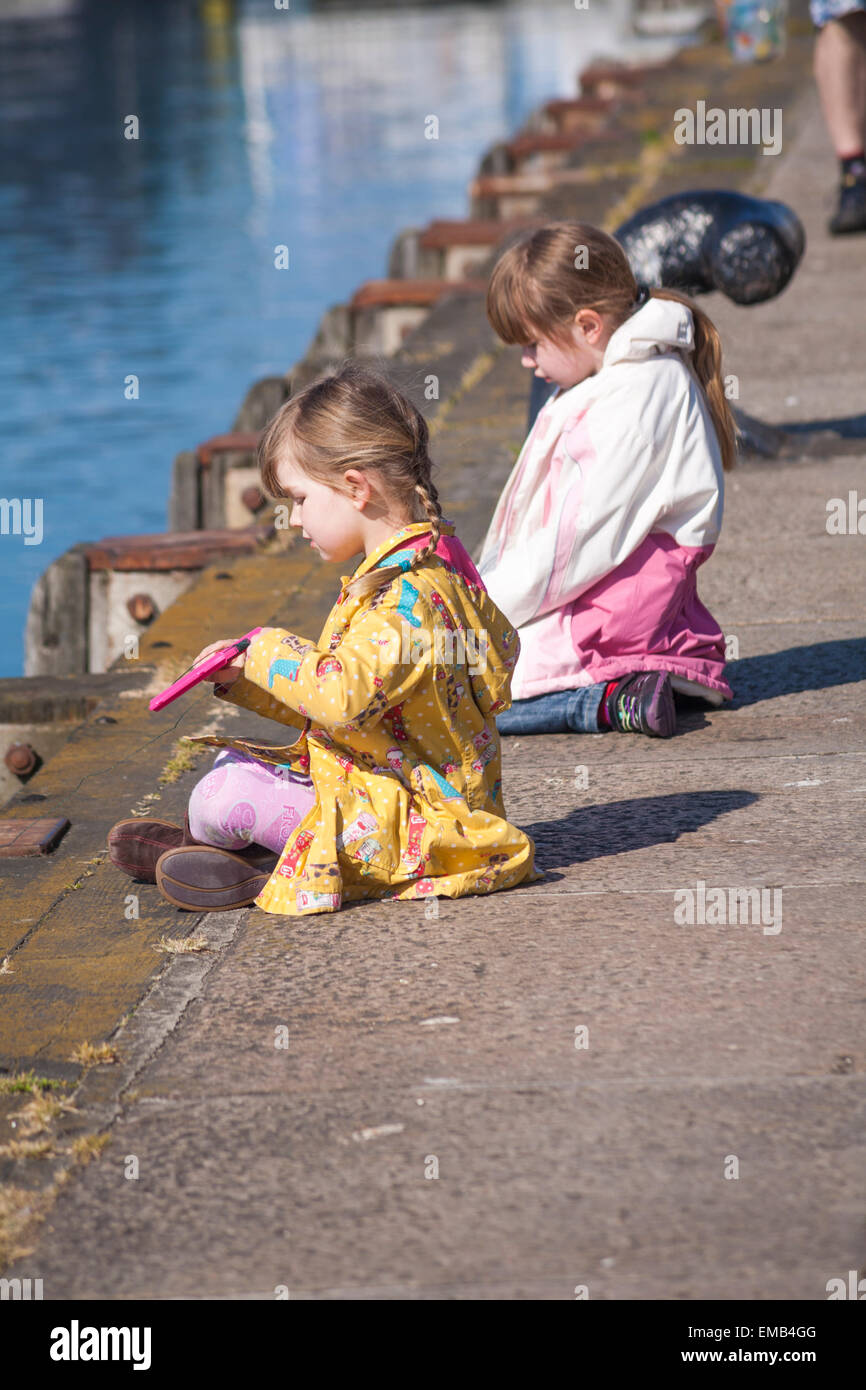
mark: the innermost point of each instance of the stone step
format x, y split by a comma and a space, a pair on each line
93, 603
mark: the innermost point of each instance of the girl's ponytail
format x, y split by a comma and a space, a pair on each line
707, 362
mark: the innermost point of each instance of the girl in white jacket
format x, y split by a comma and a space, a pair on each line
616, 498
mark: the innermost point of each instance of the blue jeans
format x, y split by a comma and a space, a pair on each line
555, 712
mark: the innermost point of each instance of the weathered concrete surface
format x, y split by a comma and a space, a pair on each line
61, 913
558, 1165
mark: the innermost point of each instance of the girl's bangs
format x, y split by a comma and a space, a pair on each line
278, 436
511, 311
517, 313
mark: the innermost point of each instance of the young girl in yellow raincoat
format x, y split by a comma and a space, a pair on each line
391, 787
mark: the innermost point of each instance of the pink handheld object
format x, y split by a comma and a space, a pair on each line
202, 671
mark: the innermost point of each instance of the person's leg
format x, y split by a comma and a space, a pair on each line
241, 801
558, 712
640, 703
840, 74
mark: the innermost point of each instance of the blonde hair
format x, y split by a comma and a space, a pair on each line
354, 418
537, 287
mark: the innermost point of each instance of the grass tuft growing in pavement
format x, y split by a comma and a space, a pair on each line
37, 1116
18, 1207
88, 1054
88, 1146
28, 1081
183, 759
27, 1148
182, 945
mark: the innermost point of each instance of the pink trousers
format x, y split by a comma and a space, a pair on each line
242, 800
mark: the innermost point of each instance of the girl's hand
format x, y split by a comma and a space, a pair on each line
226, 675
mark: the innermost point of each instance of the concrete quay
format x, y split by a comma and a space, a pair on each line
544, 1089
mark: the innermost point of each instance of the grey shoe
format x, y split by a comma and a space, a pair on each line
643, 704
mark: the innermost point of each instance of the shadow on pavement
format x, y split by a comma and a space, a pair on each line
814, 667
846, 426
616, 827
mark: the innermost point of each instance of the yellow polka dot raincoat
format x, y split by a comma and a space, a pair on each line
395, 706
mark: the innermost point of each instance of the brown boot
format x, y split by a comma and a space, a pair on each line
135, 846
201, 878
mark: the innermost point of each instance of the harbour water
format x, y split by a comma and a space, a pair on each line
153, 258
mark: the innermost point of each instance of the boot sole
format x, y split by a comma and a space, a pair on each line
203, 878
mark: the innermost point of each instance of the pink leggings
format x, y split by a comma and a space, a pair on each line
243, 800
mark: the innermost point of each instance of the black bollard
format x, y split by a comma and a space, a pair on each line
746, 248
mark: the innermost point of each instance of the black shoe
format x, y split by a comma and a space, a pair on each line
643, 704
850, 216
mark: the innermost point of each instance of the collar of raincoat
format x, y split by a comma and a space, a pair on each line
661, 325
446, 528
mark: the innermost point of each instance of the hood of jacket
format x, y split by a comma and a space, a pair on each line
661, 325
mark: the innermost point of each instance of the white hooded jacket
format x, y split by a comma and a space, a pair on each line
614, 502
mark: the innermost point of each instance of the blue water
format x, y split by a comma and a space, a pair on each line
155, 257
